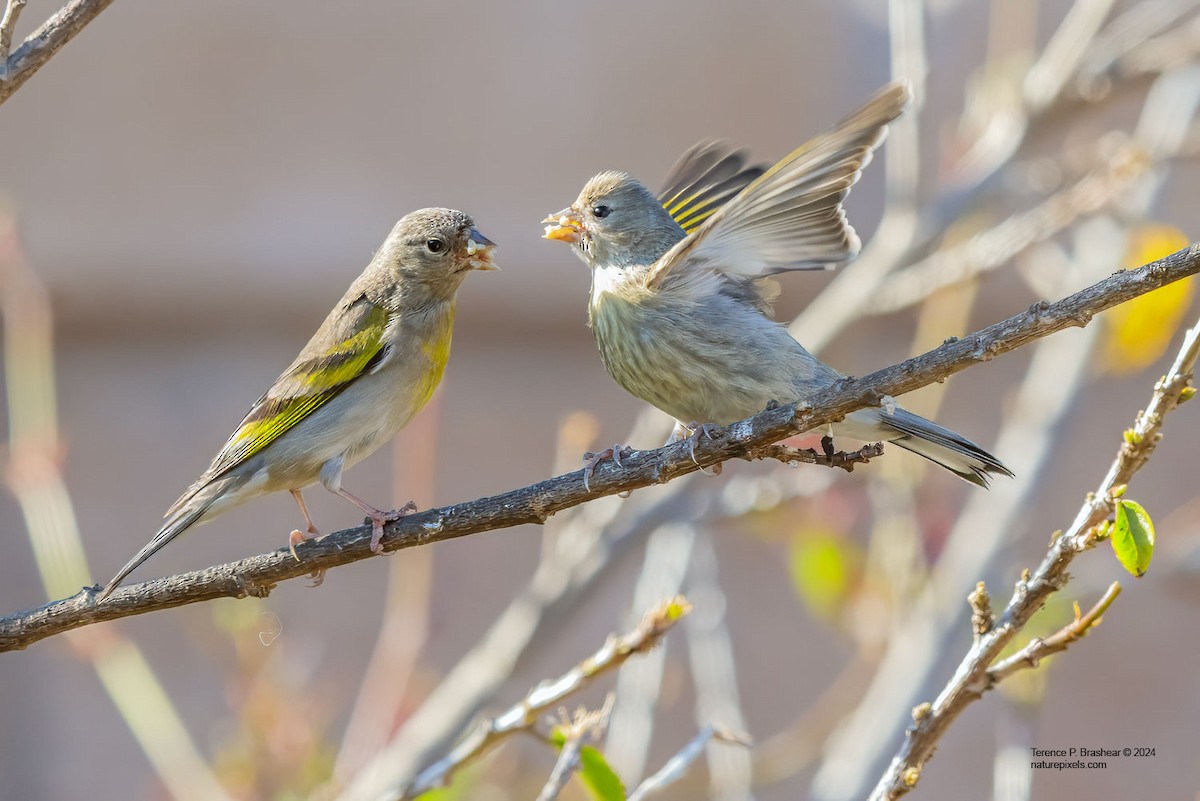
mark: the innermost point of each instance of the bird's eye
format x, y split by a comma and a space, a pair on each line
434, 245
601, 211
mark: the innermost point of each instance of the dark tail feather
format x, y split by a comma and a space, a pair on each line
943, 447
180, 521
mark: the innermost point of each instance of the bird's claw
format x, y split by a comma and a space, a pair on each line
699, 430
380, 519
295, 538
590, 460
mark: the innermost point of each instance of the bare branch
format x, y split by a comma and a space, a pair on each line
47, 40
585, 727
973, 677
257, 575
7, 23
1038, 649
1000, 243
678, 764
547, 695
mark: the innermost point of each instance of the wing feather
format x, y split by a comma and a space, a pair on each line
790, 217
348, 344
704, 178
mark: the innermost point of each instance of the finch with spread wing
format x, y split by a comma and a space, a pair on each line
682, 295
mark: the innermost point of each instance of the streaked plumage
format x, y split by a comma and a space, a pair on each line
373, 364
682, 318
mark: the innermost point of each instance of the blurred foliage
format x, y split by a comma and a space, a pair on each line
598, 777
824, 568
1139, 332
601, 781
279, 744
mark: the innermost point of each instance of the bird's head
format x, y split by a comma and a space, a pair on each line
615, 222
430, 251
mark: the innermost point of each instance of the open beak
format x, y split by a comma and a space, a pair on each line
565, 226
479, 251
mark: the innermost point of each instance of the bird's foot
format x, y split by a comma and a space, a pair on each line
702, 430
379, 519
590, 460
295, 538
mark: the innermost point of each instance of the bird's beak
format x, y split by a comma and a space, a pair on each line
479, 251
565, 226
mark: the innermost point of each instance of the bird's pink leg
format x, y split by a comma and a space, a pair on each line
378, 517
297, 536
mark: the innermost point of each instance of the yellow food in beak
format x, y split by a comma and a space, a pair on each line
565, 226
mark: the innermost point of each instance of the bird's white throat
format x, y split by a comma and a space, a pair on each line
606, 279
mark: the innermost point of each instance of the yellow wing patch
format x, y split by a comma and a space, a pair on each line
324, 376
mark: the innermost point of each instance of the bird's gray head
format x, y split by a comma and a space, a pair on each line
429, 252
615, 222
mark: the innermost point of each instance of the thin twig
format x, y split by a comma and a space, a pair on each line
677, 765
973, 678
7, 24
47, 40
534, 504
585, 727
547, 695
1038, 649
999, 244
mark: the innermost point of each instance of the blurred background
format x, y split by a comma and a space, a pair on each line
193, 185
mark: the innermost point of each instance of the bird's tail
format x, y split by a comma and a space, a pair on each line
179, 519
924, 437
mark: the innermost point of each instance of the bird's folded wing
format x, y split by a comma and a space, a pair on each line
704, 179
349, 344
791, 217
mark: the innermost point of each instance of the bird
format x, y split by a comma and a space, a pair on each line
682, 294
370, 367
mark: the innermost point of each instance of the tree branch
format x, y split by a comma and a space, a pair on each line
1038, 648
974, 675
524, 713
677, 765
43, 43
257, 575
12, 10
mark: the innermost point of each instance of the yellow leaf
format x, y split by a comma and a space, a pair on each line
822, 567
1140, 331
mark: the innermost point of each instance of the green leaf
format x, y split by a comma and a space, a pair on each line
1133, 537
601, 780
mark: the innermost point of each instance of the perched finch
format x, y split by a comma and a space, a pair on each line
681, 299
370, 367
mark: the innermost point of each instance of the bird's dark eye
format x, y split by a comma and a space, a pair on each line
601, 211
434, 245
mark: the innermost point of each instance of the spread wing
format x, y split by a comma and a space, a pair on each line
704, 178
791, 216
348, 344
